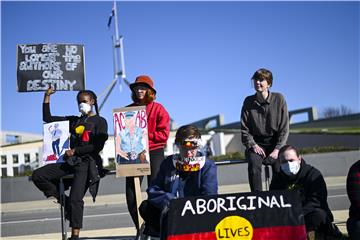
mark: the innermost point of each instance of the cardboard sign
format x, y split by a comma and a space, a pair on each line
60, 66
56, 141
131, 141
245, 216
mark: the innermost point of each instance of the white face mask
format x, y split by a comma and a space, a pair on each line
290, 168
84, 108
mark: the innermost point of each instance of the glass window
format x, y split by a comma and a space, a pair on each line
37, 157
3, 159
27, 157
3, 172
15, 158
16, 171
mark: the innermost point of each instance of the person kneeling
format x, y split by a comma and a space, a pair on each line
187, 173
295, 174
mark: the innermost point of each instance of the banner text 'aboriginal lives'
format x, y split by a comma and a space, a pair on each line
240, 216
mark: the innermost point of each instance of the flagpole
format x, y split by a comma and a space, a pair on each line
118, 57
116, 24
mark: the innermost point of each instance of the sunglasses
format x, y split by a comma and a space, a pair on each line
189, 144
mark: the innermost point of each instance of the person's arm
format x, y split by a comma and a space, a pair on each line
246, 136
162, 128
47, 117
209, 182
283, 132
96, 141
158, 195
316, 195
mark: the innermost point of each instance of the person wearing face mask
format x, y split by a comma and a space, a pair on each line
296, 175
264, 127
143, 93
184, 174
88, 136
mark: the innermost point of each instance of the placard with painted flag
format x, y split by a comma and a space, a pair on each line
242, 216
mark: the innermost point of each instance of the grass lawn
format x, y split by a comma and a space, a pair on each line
329, 130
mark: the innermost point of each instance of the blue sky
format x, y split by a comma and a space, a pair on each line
201, 55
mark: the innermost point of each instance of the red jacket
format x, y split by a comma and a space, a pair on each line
158, 125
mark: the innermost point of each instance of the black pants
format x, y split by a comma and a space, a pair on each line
156, 158
255, 162
317, 220
353, 228
47, 178
152, 217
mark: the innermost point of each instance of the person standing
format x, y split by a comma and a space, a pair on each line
264, 127
143, 93
88, 136
353, 192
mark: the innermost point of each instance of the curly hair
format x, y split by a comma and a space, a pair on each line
149, 97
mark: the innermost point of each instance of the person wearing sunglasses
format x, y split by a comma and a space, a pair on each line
264, 127
183, 174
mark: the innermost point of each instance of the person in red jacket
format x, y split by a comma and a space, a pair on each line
144, 93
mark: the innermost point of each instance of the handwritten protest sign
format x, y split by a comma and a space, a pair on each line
131, 141
56, 141
60, 66
242, 216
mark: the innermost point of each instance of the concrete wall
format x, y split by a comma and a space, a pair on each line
304, 141
18, 189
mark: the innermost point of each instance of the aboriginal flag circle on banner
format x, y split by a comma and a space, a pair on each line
242, 216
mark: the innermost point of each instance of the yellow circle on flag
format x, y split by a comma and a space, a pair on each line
234, 228
80, 129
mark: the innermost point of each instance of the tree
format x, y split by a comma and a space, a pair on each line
330, 112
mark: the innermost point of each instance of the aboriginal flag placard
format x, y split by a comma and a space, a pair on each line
242, 216
40, 66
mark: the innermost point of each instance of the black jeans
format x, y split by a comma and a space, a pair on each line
317, 220
156, 158
353, 228
47, 179
255, 162
151, 216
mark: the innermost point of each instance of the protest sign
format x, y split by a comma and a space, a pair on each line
242, 216
131, 141
56, 141
60, 66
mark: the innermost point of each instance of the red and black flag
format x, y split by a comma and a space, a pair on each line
258, 216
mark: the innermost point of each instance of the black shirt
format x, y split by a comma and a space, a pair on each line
89, 141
